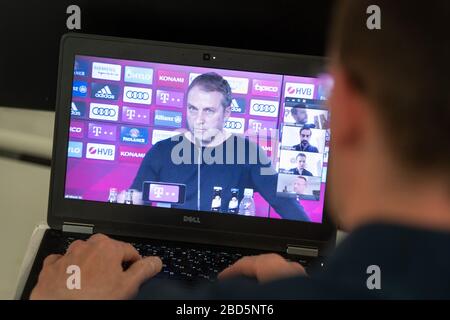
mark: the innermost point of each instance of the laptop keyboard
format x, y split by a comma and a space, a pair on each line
189, 264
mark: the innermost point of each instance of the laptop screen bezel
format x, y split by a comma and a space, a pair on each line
109, 218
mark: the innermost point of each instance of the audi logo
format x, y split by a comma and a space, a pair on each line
270, 108
137, 95
104, 112
233, 125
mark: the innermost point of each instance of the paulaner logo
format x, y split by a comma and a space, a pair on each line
134, 135
191, 219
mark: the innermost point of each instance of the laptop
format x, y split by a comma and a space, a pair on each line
199, 155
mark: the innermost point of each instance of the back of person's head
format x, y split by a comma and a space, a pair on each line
403, 70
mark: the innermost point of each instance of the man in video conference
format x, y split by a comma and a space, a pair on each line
179, 159
381, 86
301, 164
304, 145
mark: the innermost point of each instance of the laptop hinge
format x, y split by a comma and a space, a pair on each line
302, 251
78, 228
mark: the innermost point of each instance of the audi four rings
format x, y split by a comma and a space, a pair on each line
139, 95
104, 112
264, 107
233, 125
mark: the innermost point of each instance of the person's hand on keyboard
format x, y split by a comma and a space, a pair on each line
101, 273
265, 268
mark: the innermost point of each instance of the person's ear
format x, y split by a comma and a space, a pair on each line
348, 110
227, 113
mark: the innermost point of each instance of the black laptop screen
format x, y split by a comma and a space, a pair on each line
228, 142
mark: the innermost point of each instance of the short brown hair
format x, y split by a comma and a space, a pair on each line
403, 69
212, 81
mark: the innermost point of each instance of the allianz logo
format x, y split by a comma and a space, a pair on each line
191, 219
162, 117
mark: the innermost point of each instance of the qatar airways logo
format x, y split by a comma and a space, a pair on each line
172, 79
266, 88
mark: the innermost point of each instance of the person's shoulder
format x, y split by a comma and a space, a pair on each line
169, 142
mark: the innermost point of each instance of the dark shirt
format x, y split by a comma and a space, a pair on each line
237, 163
303, 173
308, 148
414, 264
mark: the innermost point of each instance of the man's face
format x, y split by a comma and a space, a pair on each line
299, 115
205, 114
301, 163
305, 135
300, 186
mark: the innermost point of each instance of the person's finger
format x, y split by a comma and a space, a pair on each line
143, 270
51, 259
77, 244
130, 254
98, 237
297, 267
243, 267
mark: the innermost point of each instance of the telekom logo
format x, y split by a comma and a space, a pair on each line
158, 192
96, 130
257, 126
164, 97
131, 114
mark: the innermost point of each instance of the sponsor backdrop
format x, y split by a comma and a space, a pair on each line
121, 108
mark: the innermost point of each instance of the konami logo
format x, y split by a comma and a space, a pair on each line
172, 79
132, 154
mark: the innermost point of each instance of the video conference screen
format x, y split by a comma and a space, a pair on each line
228, 142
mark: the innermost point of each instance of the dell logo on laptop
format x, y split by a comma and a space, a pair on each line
191, 219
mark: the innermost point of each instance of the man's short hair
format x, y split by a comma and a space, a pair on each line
300, 155
299, 107
302, 177
402, 69
305, 127
212, 81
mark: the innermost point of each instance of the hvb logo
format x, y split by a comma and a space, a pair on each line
100, 151
299, 90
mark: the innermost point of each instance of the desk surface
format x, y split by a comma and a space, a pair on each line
24, 191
